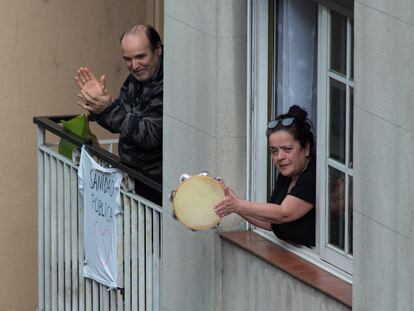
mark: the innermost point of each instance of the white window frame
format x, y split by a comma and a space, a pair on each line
257, 117
257, 90
326, 251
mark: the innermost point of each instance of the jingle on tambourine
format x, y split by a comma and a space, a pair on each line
194, 200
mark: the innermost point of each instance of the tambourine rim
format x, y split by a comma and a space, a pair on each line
200, 177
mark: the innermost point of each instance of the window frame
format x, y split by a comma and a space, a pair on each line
257, 115
257, 100
326, 251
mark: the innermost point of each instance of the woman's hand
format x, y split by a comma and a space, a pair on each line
230, 204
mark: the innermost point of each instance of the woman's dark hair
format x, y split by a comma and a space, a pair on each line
295, 122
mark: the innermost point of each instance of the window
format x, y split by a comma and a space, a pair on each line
334, 137
301, 53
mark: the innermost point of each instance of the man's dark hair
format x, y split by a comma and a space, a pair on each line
153, 37
150, 32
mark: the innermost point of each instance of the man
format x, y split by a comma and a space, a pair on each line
137, 112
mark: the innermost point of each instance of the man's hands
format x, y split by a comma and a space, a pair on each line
93, 94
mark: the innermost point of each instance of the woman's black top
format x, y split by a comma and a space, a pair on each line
302, 230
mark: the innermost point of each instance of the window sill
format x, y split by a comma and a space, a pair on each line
297, 267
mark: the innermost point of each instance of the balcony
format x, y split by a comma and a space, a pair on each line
61, 285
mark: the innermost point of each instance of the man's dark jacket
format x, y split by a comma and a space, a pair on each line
137, 115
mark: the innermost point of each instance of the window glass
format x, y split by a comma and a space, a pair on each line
350, 215
351, 127
337, 120
336, 208
338, 43
352, 49
296, 56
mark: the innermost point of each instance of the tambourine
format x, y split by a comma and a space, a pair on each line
194, 199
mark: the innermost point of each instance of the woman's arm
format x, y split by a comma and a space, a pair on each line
292, 208
258, 223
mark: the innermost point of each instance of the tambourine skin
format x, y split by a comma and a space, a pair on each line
194, 200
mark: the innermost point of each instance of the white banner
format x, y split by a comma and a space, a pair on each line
102, 202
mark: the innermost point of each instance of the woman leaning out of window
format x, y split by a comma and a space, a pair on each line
290, 213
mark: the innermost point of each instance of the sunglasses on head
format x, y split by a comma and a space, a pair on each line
288, 121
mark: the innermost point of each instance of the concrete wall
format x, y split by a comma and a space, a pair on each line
250, 284
204, 129
42, 44
384, 148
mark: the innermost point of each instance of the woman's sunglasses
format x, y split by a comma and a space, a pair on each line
284, 122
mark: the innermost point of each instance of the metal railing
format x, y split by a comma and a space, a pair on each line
61, 285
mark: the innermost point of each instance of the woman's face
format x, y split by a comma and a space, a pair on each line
287, 153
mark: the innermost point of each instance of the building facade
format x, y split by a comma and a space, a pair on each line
219, 61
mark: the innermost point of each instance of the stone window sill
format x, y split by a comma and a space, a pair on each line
297, 267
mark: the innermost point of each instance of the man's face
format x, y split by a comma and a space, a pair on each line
142, 62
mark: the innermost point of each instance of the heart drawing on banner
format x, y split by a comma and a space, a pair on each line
104, 245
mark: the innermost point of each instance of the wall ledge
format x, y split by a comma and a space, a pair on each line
299, 268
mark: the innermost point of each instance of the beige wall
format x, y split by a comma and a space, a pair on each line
42, 44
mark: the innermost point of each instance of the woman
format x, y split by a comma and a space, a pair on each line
290, 213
